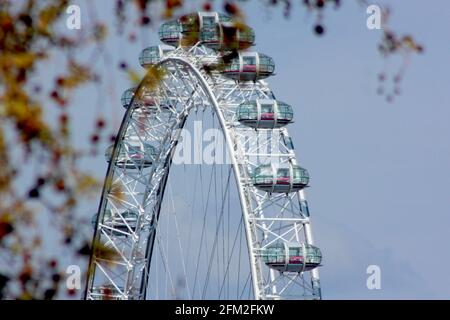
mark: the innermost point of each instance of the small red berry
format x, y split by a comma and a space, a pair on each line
40, 181
63, 118
145, 20
54, 94
95, 138
231, 8
52, 263
60, 81
207, 6
100, 123
71, 292
60, 185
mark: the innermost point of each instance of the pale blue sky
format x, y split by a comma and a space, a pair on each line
379, 189
379, 171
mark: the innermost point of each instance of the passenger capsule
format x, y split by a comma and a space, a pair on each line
264, 113
127, 97
284, 178
120, 224
106, 292
293, 257
214, 30
170, 33
133, 156
152, 55
147, 103
249, 66
219, 32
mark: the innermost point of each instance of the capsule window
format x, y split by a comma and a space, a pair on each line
247, 112
266, 64
267, 108
149, 56
209, 22
294, 252
247, 35
210, 36
263, 174
190, 23
300, 175
267, 112
285, 111
249, 64
283, 173
170, 30
224, 18
127, 97
285, 179
274, 254
292, 258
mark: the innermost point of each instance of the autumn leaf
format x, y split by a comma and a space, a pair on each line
86, 184
116, 192
78, 74
134, 77
153, 78
23, 60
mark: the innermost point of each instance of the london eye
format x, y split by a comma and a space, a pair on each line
261, 249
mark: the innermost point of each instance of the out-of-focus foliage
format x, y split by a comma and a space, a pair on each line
392, 44
30, 36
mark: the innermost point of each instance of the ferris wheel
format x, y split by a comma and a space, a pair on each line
151, 244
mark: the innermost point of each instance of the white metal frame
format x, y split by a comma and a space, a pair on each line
268, 218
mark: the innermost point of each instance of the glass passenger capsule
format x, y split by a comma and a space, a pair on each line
249, 66
214, 30
185, 30
127, 97
152, 55
147, 103
293, 257
106, 292
170, 32
265, 113
219, 32
280, 179
133, 156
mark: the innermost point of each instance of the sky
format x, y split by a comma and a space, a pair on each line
379, 170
